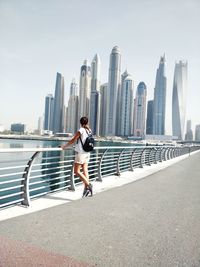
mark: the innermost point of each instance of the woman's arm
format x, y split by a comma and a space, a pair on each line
75, 137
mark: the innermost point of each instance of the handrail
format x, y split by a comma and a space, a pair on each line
39, 149
54, 168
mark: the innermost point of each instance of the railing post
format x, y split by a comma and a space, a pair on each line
149, 159
118, 161
25, 182
131, 161
72, 183
141, 165
167, 153
154, 155
99, 167
160, 154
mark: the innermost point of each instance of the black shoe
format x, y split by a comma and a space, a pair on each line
85, 190
89, 190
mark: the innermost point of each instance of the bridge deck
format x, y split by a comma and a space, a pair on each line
150, 222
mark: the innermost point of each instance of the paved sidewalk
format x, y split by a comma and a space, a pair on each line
149, 222
67, 196
19, 254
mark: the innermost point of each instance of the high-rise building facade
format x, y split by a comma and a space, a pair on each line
189, 133
160, 99
95, 95
140, 110
103, 107
119, 102
72, 110
197, 133
59, 109
48, 113
179, 99
113, 91
40, 125
18, 128
149, 125
126, 110
84, 91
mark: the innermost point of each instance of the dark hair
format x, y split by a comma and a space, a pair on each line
84, 121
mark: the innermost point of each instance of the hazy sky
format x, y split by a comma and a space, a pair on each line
41, 37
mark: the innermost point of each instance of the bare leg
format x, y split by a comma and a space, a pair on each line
77, 171
85, 170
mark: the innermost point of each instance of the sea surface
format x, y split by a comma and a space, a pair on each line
45, 171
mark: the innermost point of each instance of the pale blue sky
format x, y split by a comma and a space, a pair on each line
41, 37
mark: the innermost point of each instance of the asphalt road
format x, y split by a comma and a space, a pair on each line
151, 222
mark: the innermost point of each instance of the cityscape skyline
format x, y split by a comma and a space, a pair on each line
28, 72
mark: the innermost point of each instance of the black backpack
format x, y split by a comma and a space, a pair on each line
88, 146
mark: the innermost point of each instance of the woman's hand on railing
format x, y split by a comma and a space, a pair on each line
66, 146
63, 146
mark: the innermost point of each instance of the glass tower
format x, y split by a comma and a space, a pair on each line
140, 110
72, 110
149, 126
95, 95
179, 99
48, 114
126, 113
59, 110
197, 133
113, 91
84, 91
160, 99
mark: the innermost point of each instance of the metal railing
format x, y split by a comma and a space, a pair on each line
29, 173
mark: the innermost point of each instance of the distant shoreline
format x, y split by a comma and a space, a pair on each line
52, 138
44, 138
32, 137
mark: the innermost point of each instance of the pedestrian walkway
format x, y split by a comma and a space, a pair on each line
149, 222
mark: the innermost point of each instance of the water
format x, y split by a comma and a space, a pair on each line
44, 180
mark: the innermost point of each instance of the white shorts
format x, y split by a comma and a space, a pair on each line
82, 158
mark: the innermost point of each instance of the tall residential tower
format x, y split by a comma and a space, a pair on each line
58, 113
48, 113
95, 95
140, 110
179, 99
113, 91
72, 111
126, 111
84, 90
160, 99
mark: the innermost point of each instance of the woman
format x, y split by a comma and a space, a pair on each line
81, 157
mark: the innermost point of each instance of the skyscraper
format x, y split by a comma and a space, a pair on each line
113, 91
103, 104
189, 133
160, 99
72, 110
84, 90
179, 99
48, 114
126, 113
58, 113
40, 125
197, 133
140, 110
95, 95
149, 126
119, 102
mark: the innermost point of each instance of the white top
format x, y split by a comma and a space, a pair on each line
84, 135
